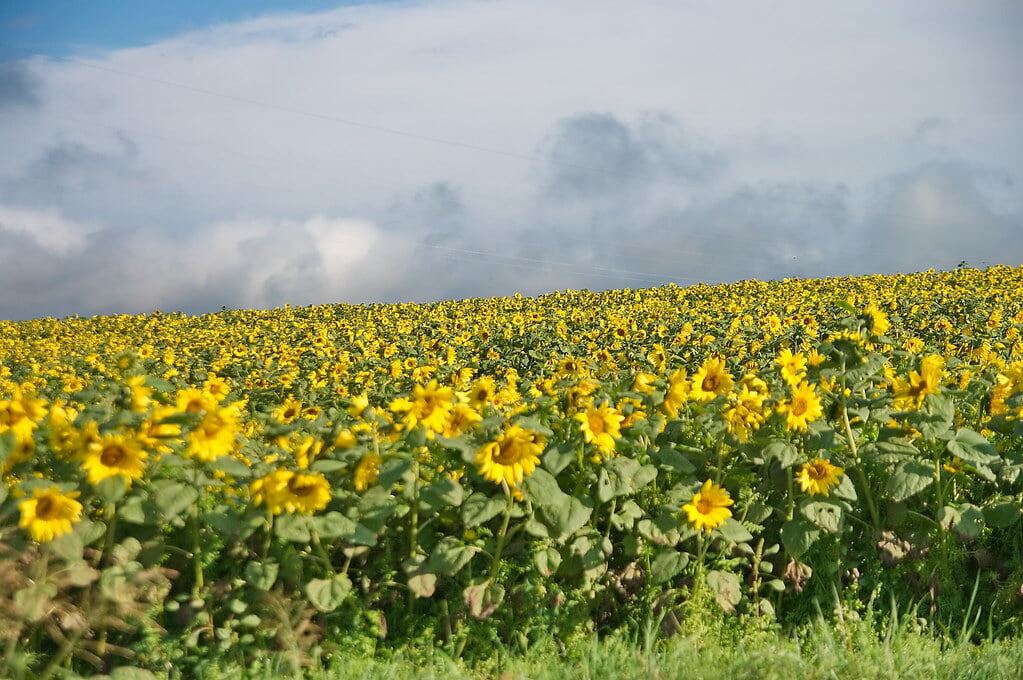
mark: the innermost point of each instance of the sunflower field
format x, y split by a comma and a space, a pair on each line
302, 483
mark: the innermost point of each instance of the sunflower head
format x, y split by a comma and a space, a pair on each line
709, 507
49, 513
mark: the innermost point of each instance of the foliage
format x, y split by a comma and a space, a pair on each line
288, 486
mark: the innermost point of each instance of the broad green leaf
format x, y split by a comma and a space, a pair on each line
540, 488
1002, 512
173, 498
845, 489
974, 449
483, 599
449, 556
443, 492
909, 479
68, 547
262, 575
670, 459
935, 416
667, 564
971, 521
293, 528
732, 530
726, 589
376, 507
566, 516
547, 561
825, 514
333, 524
112, 489
327, 594
479, 508
798, 535
558, 457
782, 451
232, 466
422, 584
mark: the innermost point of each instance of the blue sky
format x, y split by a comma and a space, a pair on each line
189, 156
62, 27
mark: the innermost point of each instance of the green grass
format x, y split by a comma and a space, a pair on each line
849, 647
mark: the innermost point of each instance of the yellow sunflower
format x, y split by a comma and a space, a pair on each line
601, 426
367, 470
711, 381
49, 514
817, 477
804, 407
709, 507
306, 493
512, 456
677, 393
117, 454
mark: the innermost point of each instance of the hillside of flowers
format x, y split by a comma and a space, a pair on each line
303, 482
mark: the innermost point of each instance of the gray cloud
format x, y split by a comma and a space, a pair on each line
19, 88
594, 155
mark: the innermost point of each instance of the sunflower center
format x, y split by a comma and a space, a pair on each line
817, 472
710, 383
508, 454
46, 508
704, 505
300, 487
112, 455
799, 406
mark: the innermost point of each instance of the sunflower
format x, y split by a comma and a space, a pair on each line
803, 408
21, 413
709, 507
214, 436
677, 393
817, 477
288, 411
512, 456
49, 514
367, 470
711, 381
875, 321
117, 454
910, 393
793, 366
430, 407
601, 426
269, 489
305, 493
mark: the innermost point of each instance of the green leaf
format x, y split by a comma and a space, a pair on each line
971, 521
782, 451
126, 551
328, 594
1003, 512
261, 575
449, 556
376, 507
112, 489
80, 574
798, 535
392, 470
732, 530
483, 599
232, 466
935, 417
845, 489
133, 511
909, 479
333, 524
540, 488
558, 457
443, 492
68, 547
479, 508
8, 442
667, 564
293, 528
974, 449
566, 516
726, 589
326, 465
672, 460
605, 488
547, 561
172, 498
626, 516
825, 513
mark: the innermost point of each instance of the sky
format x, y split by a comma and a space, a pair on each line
192, 156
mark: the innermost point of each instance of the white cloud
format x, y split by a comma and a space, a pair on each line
200, 160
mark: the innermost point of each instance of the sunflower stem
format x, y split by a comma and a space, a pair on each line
503, 535
860, 475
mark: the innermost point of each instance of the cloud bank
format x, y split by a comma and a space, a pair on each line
458, 149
